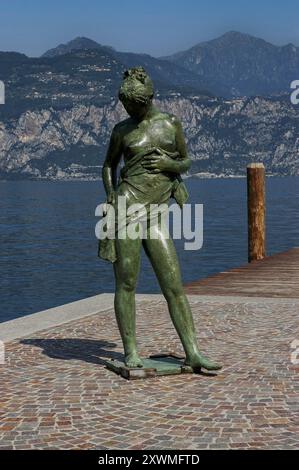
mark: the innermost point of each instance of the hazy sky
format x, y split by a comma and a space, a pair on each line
157, 27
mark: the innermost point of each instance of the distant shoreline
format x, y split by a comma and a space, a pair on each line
205, 176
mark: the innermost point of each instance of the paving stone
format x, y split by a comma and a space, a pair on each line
56, 392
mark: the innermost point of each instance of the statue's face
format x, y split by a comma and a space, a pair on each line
136, 110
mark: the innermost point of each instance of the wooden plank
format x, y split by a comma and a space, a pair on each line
274, 276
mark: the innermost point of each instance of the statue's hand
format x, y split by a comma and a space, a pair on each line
111, 197
158, 163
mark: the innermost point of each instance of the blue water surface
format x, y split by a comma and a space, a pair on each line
49, 250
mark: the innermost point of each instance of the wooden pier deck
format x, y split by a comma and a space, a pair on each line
275, 276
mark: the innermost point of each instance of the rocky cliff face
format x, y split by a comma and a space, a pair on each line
223, 136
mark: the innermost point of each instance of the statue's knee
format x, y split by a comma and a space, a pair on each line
127, 278
173, 292
129, 284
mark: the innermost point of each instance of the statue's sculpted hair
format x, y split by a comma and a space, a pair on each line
136, 86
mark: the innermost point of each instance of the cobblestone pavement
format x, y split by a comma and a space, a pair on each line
56, 392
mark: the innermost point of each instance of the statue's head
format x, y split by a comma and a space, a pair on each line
136, 92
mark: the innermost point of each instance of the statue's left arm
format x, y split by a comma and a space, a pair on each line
183, 163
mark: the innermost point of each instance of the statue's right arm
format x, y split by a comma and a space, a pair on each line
113, 157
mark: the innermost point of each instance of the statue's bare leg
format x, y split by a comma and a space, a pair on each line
126, 270
163, 257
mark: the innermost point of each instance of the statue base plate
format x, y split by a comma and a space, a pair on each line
156, 365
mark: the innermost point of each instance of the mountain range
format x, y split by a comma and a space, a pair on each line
231, 93
232, 65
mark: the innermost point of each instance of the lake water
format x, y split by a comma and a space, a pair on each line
49, 250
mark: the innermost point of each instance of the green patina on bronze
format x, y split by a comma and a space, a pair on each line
154, 151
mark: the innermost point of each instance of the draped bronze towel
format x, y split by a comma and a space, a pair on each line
141, 186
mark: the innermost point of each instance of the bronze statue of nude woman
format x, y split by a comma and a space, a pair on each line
154, 151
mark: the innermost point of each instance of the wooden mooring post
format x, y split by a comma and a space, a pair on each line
256, 211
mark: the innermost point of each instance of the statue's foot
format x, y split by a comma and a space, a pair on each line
133, 360
198, 361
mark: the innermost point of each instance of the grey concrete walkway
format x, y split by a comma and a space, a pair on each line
23, 326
